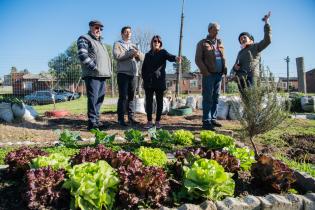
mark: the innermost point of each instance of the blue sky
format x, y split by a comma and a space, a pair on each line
34, 31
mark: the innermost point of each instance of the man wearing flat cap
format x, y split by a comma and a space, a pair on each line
211, 62
96, 68
246, 67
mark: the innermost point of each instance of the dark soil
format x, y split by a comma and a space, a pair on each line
301, 147
10, 198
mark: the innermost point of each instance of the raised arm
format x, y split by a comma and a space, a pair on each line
267, 34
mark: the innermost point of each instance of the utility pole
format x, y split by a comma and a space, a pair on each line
287, 59
179, 67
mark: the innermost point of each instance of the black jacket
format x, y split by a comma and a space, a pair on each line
153, 69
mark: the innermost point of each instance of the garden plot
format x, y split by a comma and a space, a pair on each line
207, 166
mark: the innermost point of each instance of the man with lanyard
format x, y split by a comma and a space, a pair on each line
96, 67
128, 57
212, 65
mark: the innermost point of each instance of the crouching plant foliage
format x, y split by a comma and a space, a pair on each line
186, 157
245, 155
134, 136
207, 178
183, 137
273, 173
212, 140
160, 136
152, 156
44, 188
93, 185
102, 137
262, 109
54, 160
68, 138
142, 186
18, 160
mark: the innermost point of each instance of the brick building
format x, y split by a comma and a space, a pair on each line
310, 81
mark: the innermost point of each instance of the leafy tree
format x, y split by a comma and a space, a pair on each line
231, 87
14, 69
186, 65
262, 109
66, 66
25, 71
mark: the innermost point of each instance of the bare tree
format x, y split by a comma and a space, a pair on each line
142, 39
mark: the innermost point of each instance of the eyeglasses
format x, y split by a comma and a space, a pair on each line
155, 40
98, 28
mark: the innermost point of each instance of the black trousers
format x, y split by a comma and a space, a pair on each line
126, 86
95, 90
149, 102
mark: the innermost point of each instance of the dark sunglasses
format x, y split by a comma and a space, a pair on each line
155, 40
98, 28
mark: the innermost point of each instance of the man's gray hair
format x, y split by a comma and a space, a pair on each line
214, 24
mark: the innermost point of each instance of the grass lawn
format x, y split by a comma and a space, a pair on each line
288, 127
78, 106
6, 90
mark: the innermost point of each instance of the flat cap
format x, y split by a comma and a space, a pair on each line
95, 22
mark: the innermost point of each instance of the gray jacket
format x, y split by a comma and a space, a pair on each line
126, 64
95, 61
249, 57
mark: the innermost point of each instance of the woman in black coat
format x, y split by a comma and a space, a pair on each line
153, 75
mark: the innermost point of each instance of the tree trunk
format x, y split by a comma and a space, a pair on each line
255, 148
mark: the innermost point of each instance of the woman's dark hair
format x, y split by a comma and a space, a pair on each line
158, 38
124, 28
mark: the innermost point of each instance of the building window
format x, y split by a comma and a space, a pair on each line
27, 85
193, 83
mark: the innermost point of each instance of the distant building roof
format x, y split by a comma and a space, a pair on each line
310, 71
190, 75
39, 77
285, 78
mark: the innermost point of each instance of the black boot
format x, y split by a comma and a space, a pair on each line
207, 126
132, 121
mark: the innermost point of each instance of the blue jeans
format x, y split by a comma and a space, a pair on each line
95, 90
245, 82
211, 86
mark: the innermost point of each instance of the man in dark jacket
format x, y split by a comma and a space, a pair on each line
96, 67
212, 65
247, 63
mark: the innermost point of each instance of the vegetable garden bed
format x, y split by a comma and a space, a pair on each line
167, 170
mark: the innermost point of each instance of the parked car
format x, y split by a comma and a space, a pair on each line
44, 97
70, 95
